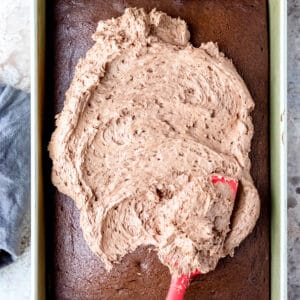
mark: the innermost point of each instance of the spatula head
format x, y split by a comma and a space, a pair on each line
179, 284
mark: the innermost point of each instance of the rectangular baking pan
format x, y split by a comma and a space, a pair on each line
277, 34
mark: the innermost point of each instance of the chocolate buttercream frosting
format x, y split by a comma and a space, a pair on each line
147, 121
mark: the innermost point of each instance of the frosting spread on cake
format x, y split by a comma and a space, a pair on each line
147, 121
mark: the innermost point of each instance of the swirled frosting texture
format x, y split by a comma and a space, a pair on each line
147, 121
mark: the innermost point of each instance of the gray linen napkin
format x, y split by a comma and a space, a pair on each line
14, 169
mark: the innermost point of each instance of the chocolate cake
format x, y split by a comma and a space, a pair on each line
74, 272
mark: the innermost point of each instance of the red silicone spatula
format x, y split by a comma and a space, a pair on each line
179, 284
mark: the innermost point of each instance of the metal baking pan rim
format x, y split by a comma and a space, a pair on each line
278, 150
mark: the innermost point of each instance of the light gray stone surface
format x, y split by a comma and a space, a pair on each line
294, 149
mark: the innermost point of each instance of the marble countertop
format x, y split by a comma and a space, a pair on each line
294, 149
14, 70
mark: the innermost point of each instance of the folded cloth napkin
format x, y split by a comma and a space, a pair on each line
14, 170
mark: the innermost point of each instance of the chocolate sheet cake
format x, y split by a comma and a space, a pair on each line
74, 272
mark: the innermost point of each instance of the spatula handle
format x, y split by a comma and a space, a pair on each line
179, 285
